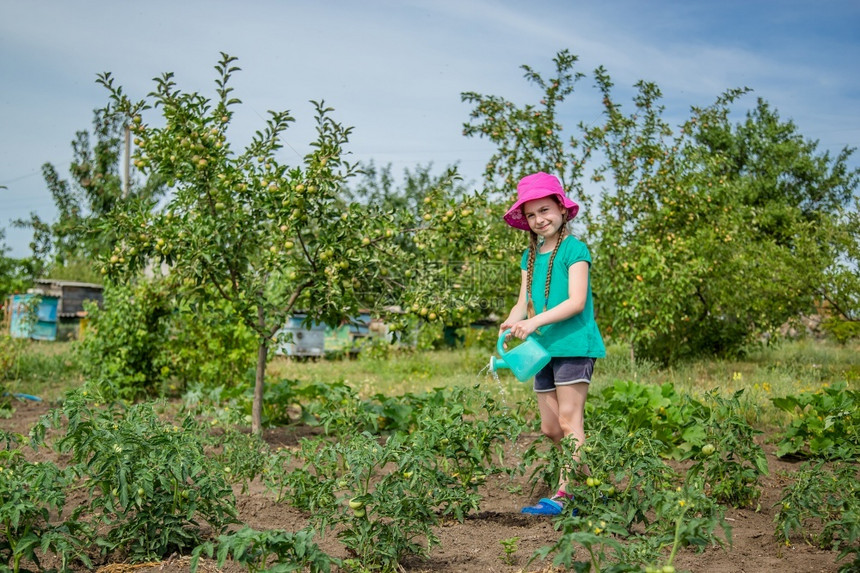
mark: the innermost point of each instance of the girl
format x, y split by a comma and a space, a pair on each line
555, 305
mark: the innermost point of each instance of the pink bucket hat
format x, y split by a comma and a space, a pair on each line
537, 186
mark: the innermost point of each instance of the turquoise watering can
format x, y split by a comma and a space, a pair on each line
524, 360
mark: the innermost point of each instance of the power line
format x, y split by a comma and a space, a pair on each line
21, 178
66, 165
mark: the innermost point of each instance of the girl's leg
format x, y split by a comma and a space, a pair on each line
561, 414
570, 401
550, 425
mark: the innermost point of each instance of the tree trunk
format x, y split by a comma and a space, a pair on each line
257, 406
260, 378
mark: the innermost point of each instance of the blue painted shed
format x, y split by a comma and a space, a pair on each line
295, 339
59, 309
42, 325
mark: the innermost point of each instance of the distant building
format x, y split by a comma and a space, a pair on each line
314, 340
51, 310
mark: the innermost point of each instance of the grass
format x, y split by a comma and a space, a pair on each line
39, 368
403, 371
790, 368
48, 369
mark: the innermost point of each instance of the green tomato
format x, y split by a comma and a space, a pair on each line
356, 503
361, 512
708, 449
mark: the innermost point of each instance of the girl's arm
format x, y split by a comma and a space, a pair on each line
520, 309
577, 291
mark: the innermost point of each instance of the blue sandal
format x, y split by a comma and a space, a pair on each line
545, 506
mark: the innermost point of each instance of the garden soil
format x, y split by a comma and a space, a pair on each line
474, 546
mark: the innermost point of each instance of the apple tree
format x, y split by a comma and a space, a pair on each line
530, 137
838, 291
243, 226
713, 235
708, 235
647, 272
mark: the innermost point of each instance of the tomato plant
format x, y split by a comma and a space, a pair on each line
668, 414
272, 550
822, 505
628, 506
385, 493
396, 492
149, 482
577, 533
825, 423
358, 486
604, 519
625, 468
683, 517
29, 493
245, 454
730, 463
305, 478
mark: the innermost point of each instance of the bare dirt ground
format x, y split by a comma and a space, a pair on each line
474, 546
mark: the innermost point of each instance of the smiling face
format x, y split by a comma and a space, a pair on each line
544, 216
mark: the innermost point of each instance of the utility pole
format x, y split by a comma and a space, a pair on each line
125, 167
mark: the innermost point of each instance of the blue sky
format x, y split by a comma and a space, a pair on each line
395, 69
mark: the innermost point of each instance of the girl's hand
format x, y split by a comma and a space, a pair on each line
523, 328
505, 325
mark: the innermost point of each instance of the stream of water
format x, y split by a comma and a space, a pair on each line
488, 369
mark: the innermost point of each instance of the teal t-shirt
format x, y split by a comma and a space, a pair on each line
577, 336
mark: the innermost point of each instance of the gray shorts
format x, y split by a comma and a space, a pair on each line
562, 372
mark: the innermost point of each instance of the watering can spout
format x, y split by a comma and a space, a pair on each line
497, 364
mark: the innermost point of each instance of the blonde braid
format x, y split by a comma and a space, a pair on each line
561, 231
533, 247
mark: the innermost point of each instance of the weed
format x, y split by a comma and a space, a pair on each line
509, 546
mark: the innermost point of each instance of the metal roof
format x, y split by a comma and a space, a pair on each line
62, 283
